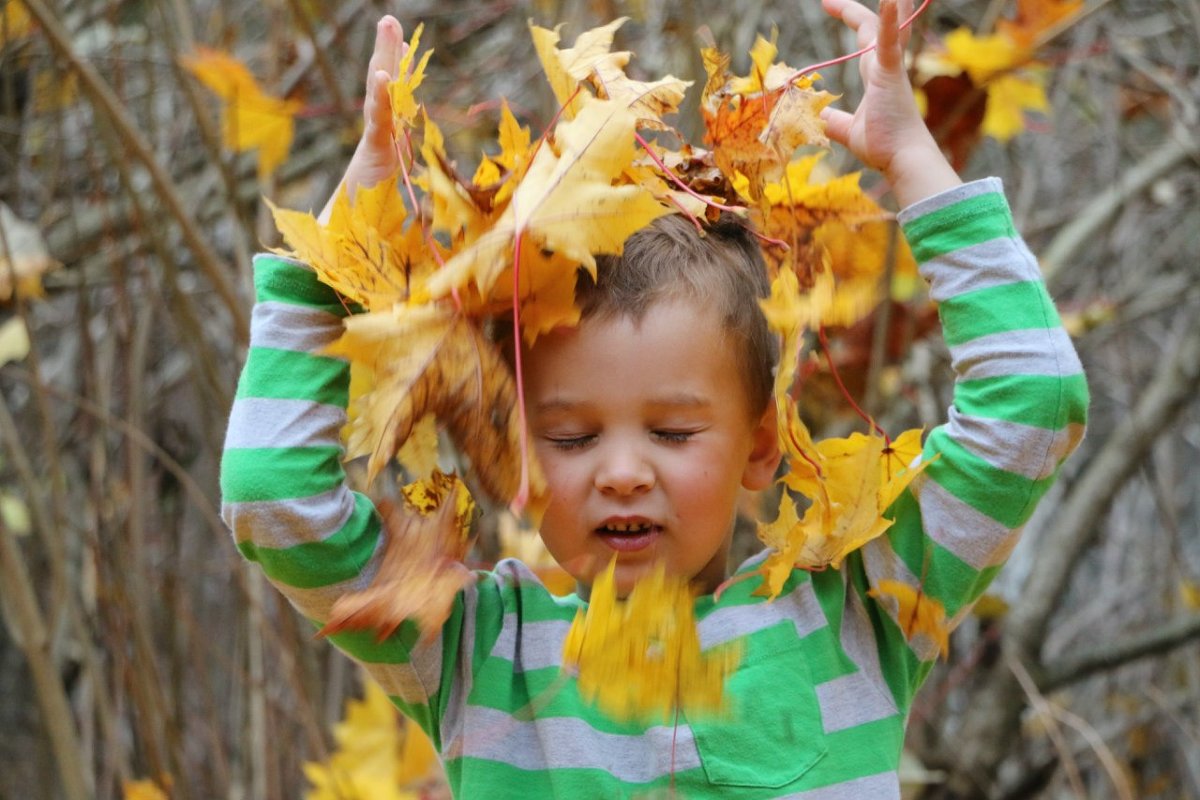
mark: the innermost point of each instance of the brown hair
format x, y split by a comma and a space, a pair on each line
670, 259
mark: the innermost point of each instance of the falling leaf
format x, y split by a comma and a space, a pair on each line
640, 658
251, 119
1008, 98
15, 23
146, 789
419, 452
23, 254
420, 574
14, 340
378, 755
915, 612
1035, 17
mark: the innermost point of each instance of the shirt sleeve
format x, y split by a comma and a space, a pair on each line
284, 493
1019, 409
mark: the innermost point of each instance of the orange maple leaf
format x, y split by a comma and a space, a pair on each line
420, 573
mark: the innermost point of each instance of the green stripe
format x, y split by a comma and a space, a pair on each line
311, 565
292, 375
865, 749
944, 576
285, 282
963, 224
1018, 306
1038, 401
258, 474
1004, 496
362, 645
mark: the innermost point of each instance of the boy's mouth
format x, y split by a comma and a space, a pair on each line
628, 536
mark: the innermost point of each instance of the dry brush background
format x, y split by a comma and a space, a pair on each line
135, 643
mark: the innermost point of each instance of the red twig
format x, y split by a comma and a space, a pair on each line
708, 201
518, 502
845, 393
850, 57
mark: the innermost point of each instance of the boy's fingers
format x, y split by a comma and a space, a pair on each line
888, 49
857, 17
837, 124
389, 43
377, 110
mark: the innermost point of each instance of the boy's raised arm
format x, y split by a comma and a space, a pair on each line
1020, 397
283, 487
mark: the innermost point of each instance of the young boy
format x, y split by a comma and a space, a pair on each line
647, 419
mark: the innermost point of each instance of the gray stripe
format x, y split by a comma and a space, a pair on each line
401, 681
1040, 351
541, 643
863, 696
799, 607
283, 523
882, 563
295, 262
461, 683
971, 535
265, 422
568, 743
317, 603
852, 700
996, 262
884, 786
288, 327
1024, 450
950, 197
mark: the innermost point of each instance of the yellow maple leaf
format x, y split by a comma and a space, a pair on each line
366, 253
250, 117
567, 204
982, 57
1008, 98
591, 60
419, 453
378, 756
402, 90
640, 658
915, 612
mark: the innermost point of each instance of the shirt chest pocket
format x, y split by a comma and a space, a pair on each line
772, 733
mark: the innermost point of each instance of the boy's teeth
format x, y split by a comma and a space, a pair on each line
625, 527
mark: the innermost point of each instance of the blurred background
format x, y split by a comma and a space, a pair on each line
139, 657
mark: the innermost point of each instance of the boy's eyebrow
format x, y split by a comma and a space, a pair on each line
673, 400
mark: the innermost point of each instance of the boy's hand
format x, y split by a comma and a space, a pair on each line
376, 157
886, 130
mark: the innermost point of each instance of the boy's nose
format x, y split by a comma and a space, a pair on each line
623, 472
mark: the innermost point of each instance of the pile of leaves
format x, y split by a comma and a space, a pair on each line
431, 258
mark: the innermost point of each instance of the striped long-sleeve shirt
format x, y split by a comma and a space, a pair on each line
820, 698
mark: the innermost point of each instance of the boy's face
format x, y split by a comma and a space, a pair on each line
645, 434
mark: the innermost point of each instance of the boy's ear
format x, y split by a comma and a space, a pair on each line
765, 454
